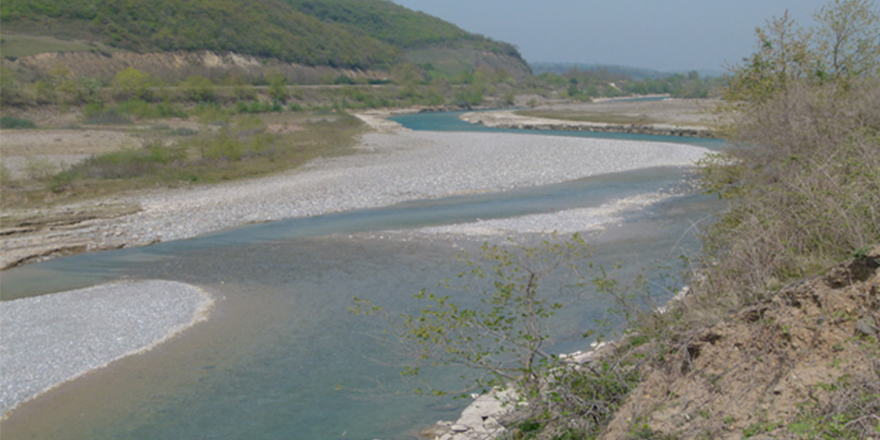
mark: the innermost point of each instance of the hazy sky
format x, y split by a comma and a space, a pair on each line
667, 35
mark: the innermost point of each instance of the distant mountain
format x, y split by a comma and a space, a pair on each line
365, 34
636, 73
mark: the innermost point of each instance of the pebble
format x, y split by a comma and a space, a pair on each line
50, 339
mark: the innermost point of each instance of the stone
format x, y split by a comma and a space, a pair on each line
459, 428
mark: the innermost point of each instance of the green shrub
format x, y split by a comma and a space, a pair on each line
14, 122
97, 114
128, 163
198, 89
138, 108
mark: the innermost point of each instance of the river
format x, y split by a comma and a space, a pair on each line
281, 356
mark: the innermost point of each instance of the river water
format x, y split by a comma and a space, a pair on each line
281, 356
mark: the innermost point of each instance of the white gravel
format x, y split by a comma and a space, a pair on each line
397, 167
393, 167
50, 339
563, 222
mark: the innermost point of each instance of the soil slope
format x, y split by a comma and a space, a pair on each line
764, 373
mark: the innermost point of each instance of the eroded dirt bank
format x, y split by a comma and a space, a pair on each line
763, 372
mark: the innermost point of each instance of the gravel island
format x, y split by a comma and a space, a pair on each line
51, 339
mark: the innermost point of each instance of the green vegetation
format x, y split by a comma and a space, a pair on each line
509, 322
803, 184
496, 321
14, 46
13, 122
338, 33
586, 84
383, 20
267, 28
227, 146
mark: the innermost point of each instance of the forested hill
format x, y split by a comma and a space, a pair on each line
394, 24
338, 33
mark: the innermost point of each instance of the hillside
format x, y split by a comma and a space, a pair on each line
363, 34
266, 28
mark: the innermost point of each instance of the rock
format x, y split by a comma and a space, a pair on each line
459, 428
866, 327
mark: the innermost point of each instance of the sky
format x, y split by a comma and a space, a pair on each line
665, 35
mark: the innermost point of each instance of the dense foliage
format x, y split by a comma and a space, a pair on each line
393, 24
268, 28
339, 33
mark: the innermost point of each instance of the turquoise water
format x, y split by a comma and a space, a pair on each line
641, 99
448, 121
281, 356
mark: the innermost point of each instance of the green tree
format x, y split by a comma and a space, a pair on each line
277, 85
849, 39
198, 89
783, 55
845, 45
133, 83
499, 321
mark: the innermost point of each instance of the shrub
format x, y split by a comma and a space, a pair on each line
198, 89
14, 122
95, 113
39, 169
804, 184
128, 163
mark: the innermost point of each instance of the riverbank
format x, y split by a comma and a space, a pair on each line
52, 339
389, 167
663, 117
510, 120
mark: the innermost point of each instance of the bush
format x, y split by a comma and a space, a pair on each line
98, 114
14, 122
128, 163
198, 89
39, 169
804, 184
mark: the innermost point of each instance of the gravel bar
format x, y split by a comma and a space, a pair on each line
396, 168
51, 339
390, 168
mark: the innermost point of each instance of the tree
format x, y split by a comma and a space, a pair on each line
784, 55
849, 38
277, 85
133, 83
198, 88
499, 322
844, 46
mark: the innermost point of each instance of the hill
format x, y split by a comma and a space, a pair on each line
363, 34
266, 28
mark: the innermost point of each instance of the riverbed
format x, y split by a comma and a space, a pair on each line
281, 355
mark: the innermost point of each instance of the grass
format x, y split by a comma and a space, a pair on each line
17, 46
14, 122
228, 147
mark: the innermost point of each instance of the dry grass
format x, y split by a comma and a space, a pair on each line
225, 147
